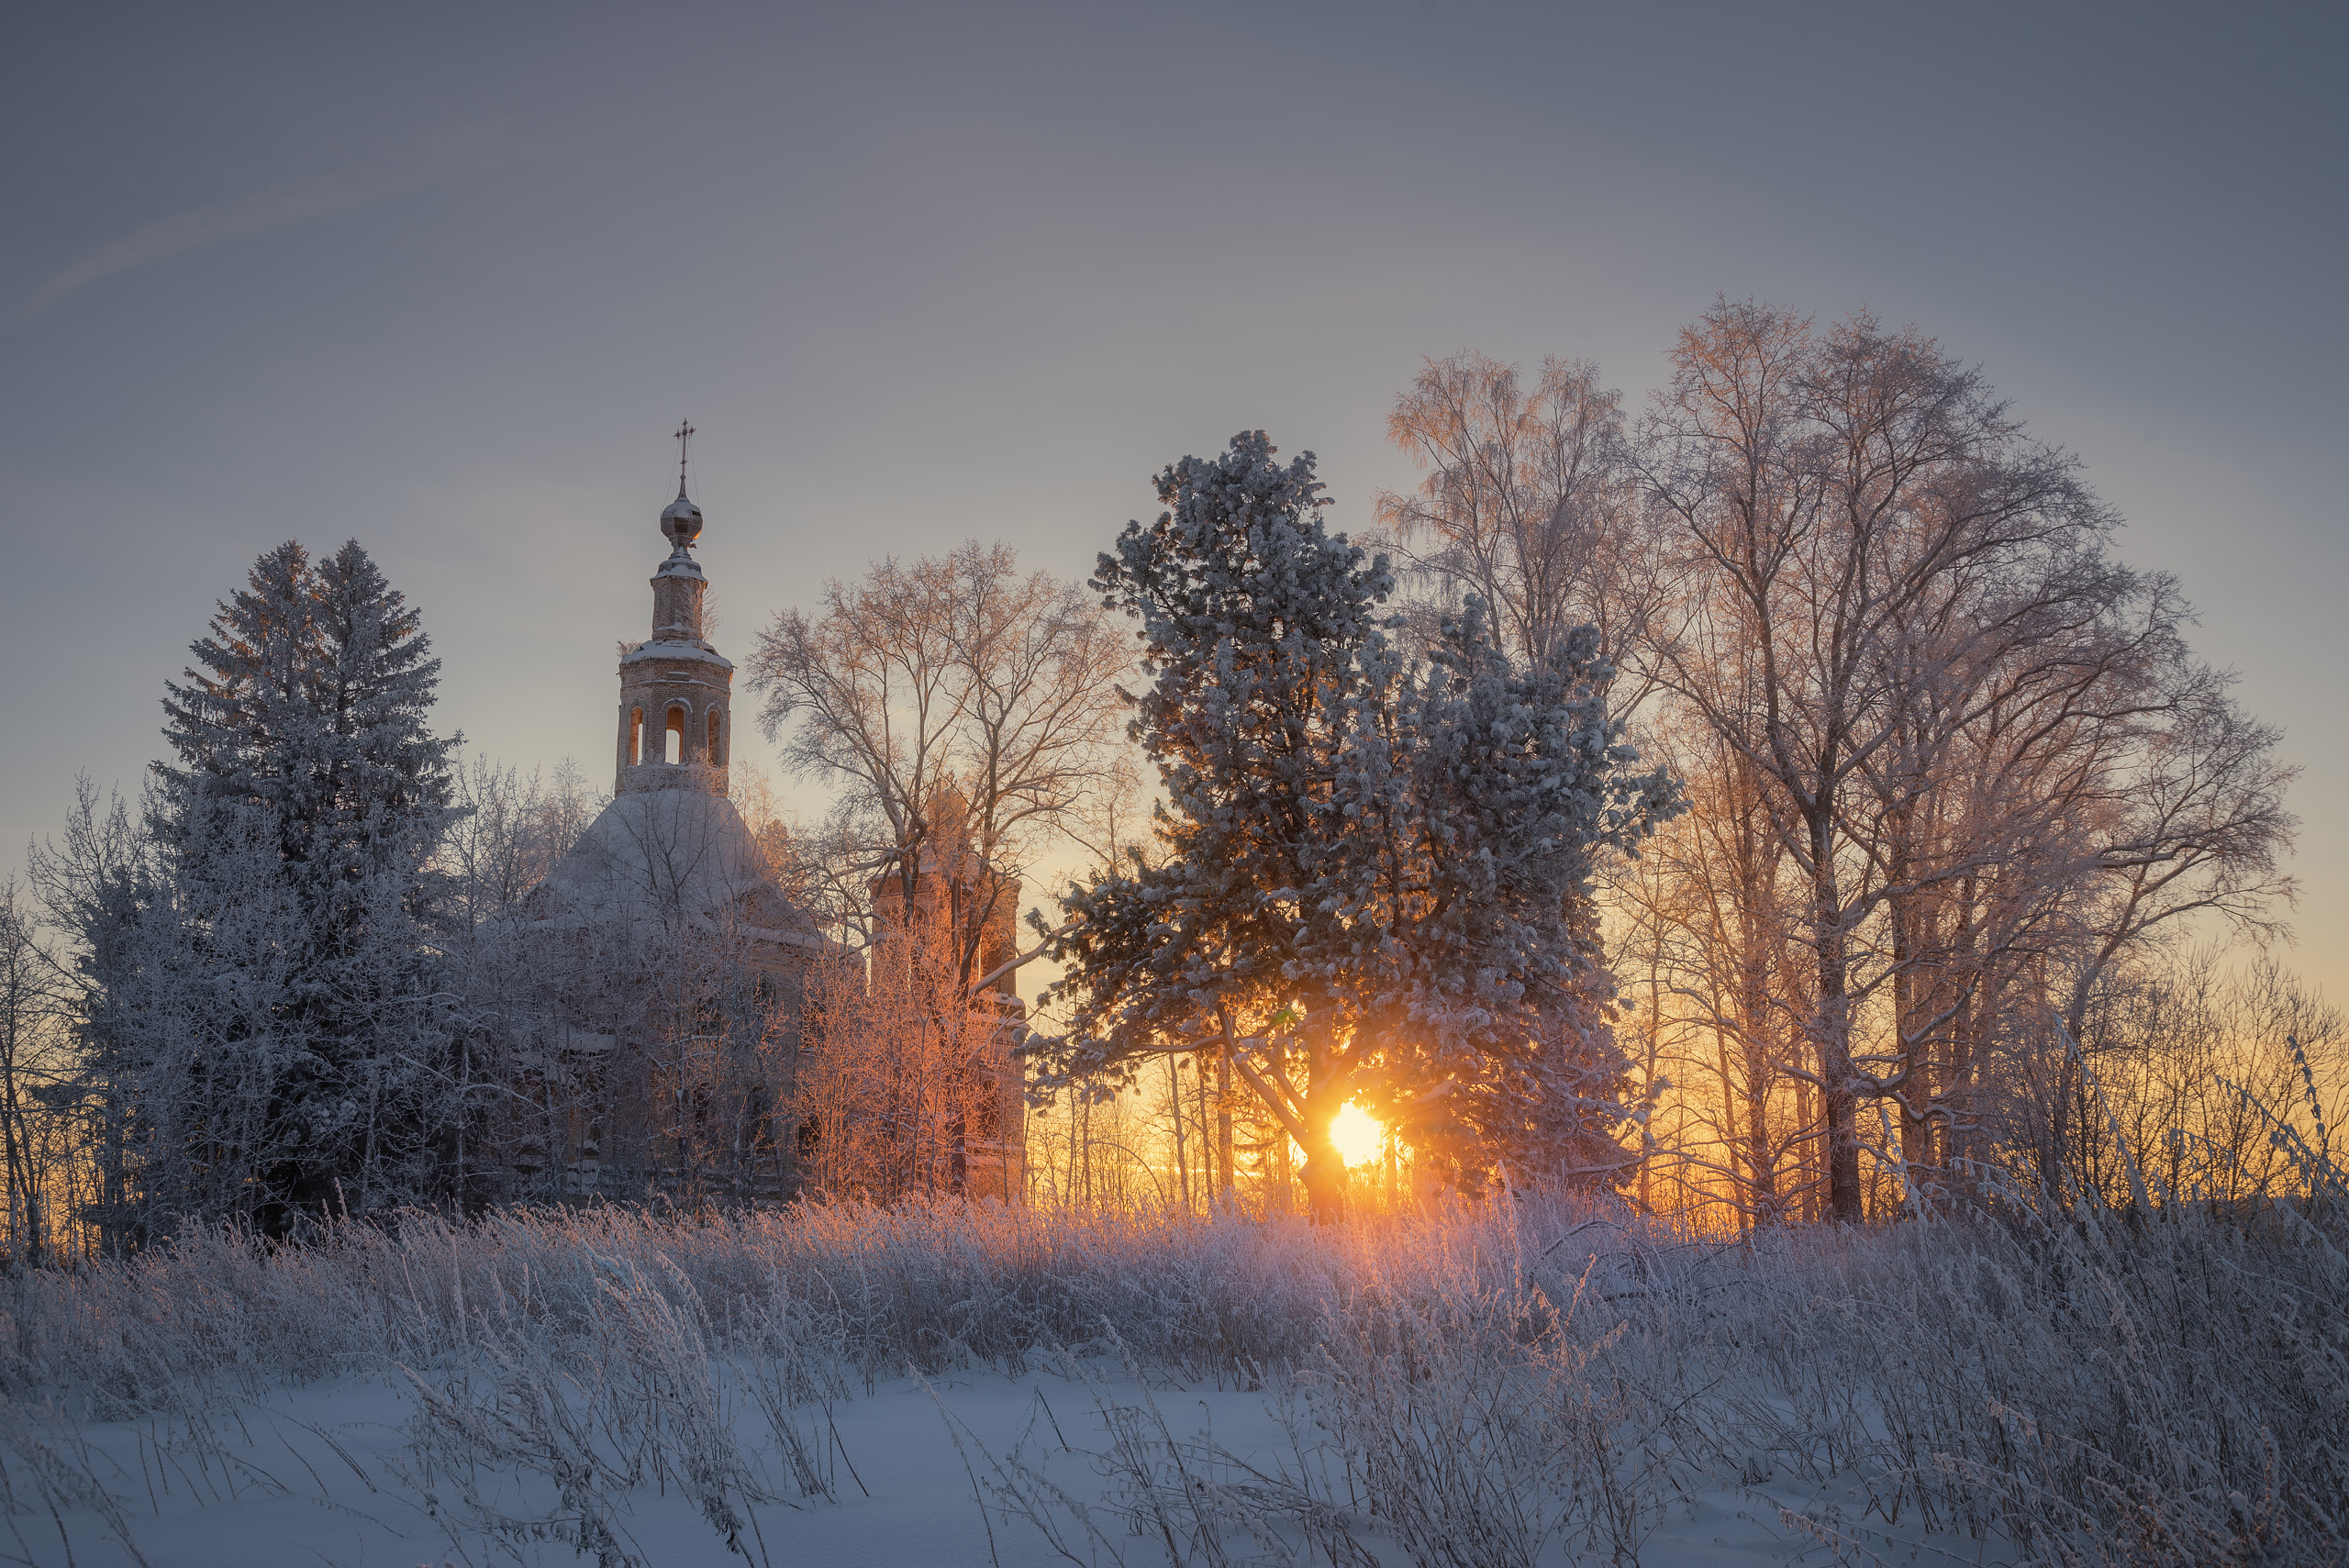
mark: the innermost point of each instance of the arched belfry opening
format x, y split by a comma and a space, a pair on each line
676, 690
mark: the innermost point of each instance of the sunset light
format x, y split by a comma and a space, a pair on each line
1709, 605
1357, 1135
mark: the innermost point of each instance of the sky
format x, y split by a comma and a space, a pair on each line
443, 279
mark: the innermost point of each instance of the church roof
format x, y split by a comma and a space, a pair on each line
653, 852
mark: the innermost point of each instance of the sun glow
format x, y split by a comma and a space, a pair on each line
1357, 1135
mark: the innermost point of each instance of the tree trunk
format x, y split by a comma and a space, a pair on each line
1181, 1147
1912, 1002
1754, 1032
1325, 1174
1843, 1193
1223, 1121
1833, 1026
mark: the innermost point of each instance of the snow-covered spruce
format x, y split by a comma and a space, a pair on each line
265, 1039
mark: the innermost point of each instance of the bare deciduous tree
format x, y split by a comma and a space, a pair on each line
33, 1069
1529, 503
898, 1086
2199, 829
1880, 567
967, 713
947, 680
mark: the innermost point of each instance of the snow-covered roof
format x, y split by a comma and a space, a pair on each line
685, 850
693, 650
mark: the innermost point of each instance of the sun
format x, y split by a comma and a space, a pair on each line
1357, 1135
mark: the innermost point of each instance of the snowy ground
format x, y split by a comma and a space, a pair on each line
327, 1473
1512, 1386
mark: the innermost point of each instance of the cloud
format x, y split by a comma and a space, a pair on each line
434, 161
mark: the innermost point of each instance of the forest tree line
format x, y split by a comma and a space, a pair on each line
1784, 803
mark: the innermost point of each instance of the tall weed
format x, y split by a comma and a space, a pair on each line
2043, 1379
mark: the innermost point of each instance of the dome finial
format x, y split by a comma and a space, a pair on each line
682, 522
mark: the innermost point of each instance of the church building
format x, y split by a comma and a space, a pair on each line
674, 972
680, 966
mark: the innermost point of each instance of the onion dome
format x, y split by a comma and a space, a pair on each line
682, 522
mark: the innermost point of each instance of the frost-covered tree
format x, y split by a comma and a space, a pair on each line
964, 713
959, 707
31, 1132
1509, 782
1977, 741
265, 1025
1528, 503
310, 705
1374, 881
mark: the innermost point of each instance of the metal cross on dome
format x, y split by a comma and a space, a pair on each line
685, 433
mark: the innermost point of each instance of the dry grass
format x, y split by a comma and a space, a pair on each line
1522, 1382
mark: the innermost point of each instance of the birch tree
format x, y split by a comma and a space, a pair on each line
1529, 504
1834, 493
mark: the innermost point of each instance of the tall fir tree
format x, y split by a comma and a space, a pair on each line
289, 1061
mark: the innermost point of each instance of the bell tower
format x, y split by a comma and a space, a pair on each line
677, 692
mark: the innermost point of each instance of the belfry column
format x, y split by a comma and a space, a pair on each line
677, 692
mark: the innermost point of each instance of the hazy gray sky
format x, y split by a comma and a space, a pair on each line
443, 279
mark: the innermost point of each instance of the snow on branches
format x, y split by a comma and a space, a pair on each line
1374, 875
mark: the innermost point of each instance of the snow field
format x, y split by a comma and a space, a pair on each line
1524, 1383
